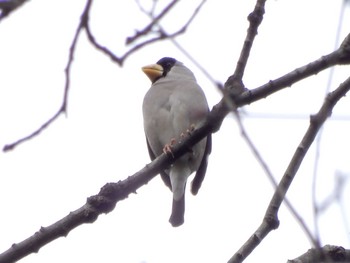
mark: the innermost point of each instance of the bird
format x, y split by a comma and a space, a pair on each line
172, 108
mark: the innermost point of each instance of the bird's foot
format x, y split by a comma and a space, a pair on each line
168, 147
188, 132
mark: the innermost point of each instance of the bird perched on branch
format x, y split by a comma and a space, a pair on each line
174, 106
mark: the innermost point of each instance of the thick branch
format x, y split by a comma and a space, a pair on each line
110, 194
327, 253
8, 6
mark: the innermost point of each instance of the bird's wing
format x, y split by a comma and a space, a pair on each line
200, 174
163, 174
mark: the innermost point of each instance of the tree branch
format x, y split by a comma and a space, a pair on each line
8, 6
255, 18
84, 24
154, 21
271, 221
270, 176
63, 106
234, 84
327, 253
162, 35
339, 57
111, 193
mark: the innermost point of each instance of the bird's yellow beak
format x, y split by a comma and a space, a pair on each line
153, 71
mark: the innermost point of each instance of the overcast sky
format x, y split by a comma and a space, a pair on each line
101, 139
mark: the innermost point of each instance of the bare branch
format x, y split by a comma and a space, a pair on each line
340, 181
270, 176
271, 221
162, 36
63, 106
217, 83
327, 253
183, 50
341, 56
104, 202
84, 24
8, 6
154, 21
152, 9
255, 18
234, 84
338, 57
98, 46
111, 193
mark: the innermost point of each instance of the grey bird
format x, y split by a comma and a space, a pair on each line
174, 106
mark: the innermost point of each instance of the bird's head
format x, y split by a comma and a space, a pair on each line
160, 69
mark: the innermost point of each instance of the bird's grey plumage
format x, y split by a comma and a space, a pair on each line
174, 104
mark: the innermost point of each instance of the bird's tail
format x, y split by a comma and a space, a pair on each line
179, 173
178, 212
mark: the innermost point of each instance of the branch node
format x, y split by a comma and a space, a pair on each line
256, 16
101, 203
234, 86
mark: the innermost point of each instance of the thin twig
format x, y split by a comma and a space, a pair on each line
255, 18
319, 137
152, 9
182, 49
110, 194
84, 24
270, 176
154, 21
63, 107
162, 35
100, 47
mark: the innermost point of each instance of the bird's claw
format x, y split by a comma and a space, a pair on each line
168, 147
188, 132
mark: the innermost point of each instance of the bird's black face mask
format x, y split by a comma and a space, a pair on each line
167, 63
